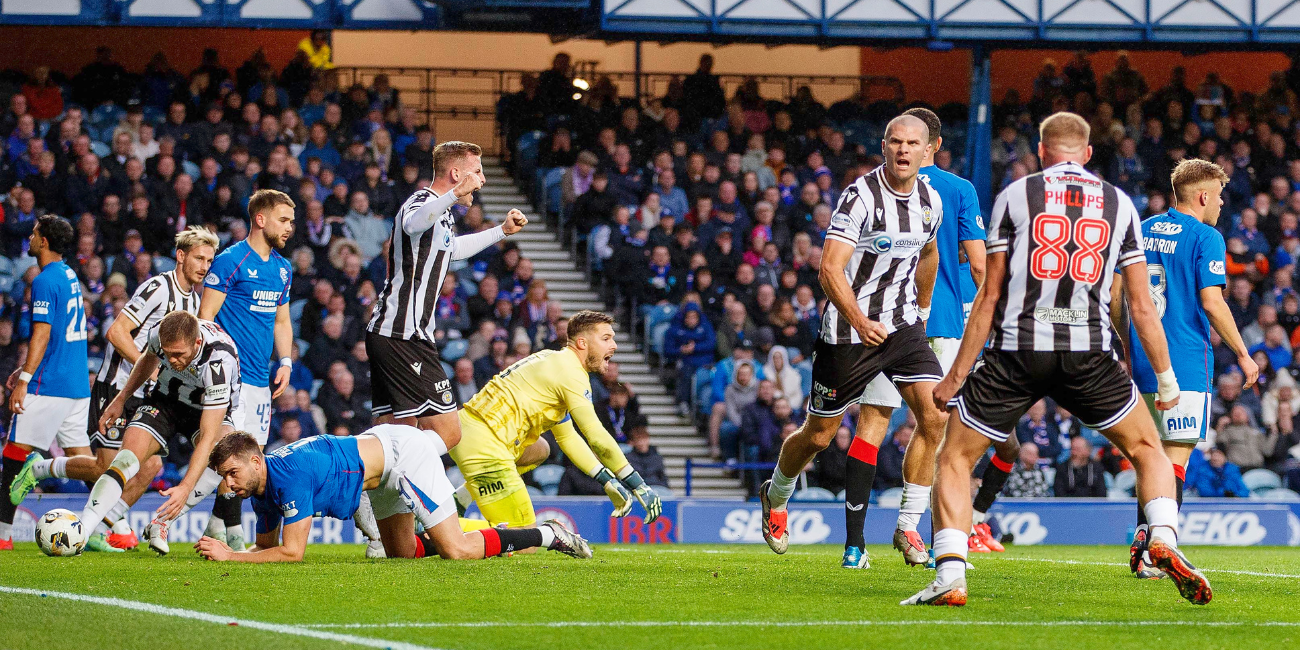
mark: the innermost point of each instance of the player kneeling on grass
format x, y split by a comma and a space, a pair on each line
398, 465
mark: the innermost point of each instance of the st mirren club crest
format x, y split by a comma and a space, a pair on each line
447, 399
927, 215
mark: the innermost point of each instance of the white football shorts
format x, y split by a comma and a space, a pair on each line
252, 415
882, 392
417, 455
46, 417
1187, 421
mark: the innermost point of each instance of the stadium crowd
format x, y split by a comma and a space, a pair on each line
700, 213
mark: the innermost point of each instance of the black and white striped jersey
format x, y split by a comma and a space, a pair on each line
888, 231
157, 297
417, 265
212, 378
1064, 231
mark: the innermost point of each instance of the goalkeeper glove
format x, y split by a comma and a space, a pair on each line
618, 495
649, 500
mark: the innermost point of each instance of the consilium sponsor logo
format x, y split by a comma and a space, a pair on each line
881, 244
1026, 526
1062, 315
1220, 528
746, 525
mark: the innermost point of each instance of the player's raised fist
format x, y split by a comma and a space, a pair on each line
515, 221
469, 184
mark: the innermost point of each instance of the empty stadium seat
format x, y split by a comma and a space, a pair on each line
548, 477
890, 498
1261, 480
163, 264
1126, 481
295, 315
455, 349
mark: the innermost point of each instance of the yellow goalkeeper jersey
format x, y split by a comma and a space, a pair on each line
547, 390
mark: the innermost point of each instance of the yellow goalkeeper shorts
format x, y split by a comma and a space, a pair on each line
492, 475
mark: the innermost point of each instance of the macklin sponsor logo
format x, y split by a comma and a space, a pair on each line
1227, 528
746, 525
1060, 315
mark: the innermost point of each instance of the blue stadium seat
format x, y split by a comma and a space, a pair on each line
658, 316
455, 477
548, 477
1126, 481
191, 169
100, 149
890, 498
551, 191
534, 492
163, 264
455, 349
303, 346
1260, 480
664, 491
1282, 494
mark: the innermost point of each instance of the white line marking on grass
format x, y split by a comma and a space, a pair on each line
561, 624
150, 608
1259, 574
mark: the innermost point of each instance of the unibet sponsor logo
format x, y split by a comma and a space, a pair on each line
1060, 315
746, 525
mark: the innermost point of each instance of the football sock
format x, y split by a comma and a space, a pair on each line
781, 489
365, 518
419, 546
548, 536
5, 531
229, 508
1162, 515
122, 527
859, 474
950, 554
1180, 475
514, 539
115, 516
108, 489
916, 499
995, 477
50, 468
463, 497
14, 457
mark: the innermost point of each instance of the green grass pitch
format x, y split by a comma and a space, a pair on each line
632, 597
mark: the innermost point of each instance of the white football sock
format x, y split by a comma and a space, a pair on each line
548, 536
916, 500
978, 517
1162, 519
5, 531
950, 543
781, 489
50, 468
108, 489
122, 527
463, 497
116, 513
365, 518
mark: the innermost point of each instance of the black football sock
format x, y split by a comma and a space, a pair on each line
995, 477
9, 472
228, 508
859, 474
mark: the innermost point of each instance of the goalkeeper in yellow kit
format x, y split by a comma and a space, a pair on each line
549, 390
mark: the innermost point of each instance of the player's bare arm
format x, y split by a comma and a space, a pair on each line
927, 270
291, 548
210, 430
975, 256
1119, 314
1216, 310
146, 367
977, 330
283, 348
1146, 321
35, 352
835, 258
211, 303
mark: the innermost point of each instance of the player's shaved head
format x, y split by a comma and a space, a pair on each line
1064, 136
906, 121
932, 123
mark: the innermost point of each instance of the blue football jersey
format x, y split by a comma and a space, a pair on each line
961, 222
321, 476
1183, 257
254, 289
56, 299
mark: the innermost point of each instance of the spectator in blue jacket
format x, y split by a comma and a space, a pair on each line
672, 199
690, 341
1218, 477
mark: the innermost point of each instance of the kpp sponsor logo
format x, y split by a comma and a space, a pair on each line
746, 525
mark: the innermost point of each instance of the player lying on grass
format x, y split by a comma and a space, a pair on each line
550, 390
399, 467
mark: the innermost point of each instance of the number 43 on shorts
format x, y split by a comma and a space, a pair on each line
1050, 260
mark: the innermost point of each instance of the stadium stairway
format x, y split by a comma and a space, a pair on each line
676, 437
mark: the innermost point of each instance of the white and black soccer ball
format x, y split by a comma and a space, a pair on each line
59, 533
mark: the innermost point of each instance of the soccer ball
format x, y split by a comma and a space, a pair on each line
59, 534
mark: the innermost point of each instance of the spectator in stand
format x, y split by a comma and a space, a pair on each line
343, 405
1080, 475
367, 228
661, 284
617, 412
578, 179
724, 425
672, 199
1275, 345
831, 463
494, 361
689, 342
1247, 446
1228, 393
1218, 477
736, 330
1027, 479
625, 181
644, 457
889, 462
761, 424
593, 207
463, 385
1038, 428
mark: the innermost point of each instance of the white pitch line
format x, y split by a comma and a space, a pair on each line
563, 624
1259, 574
150, 608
